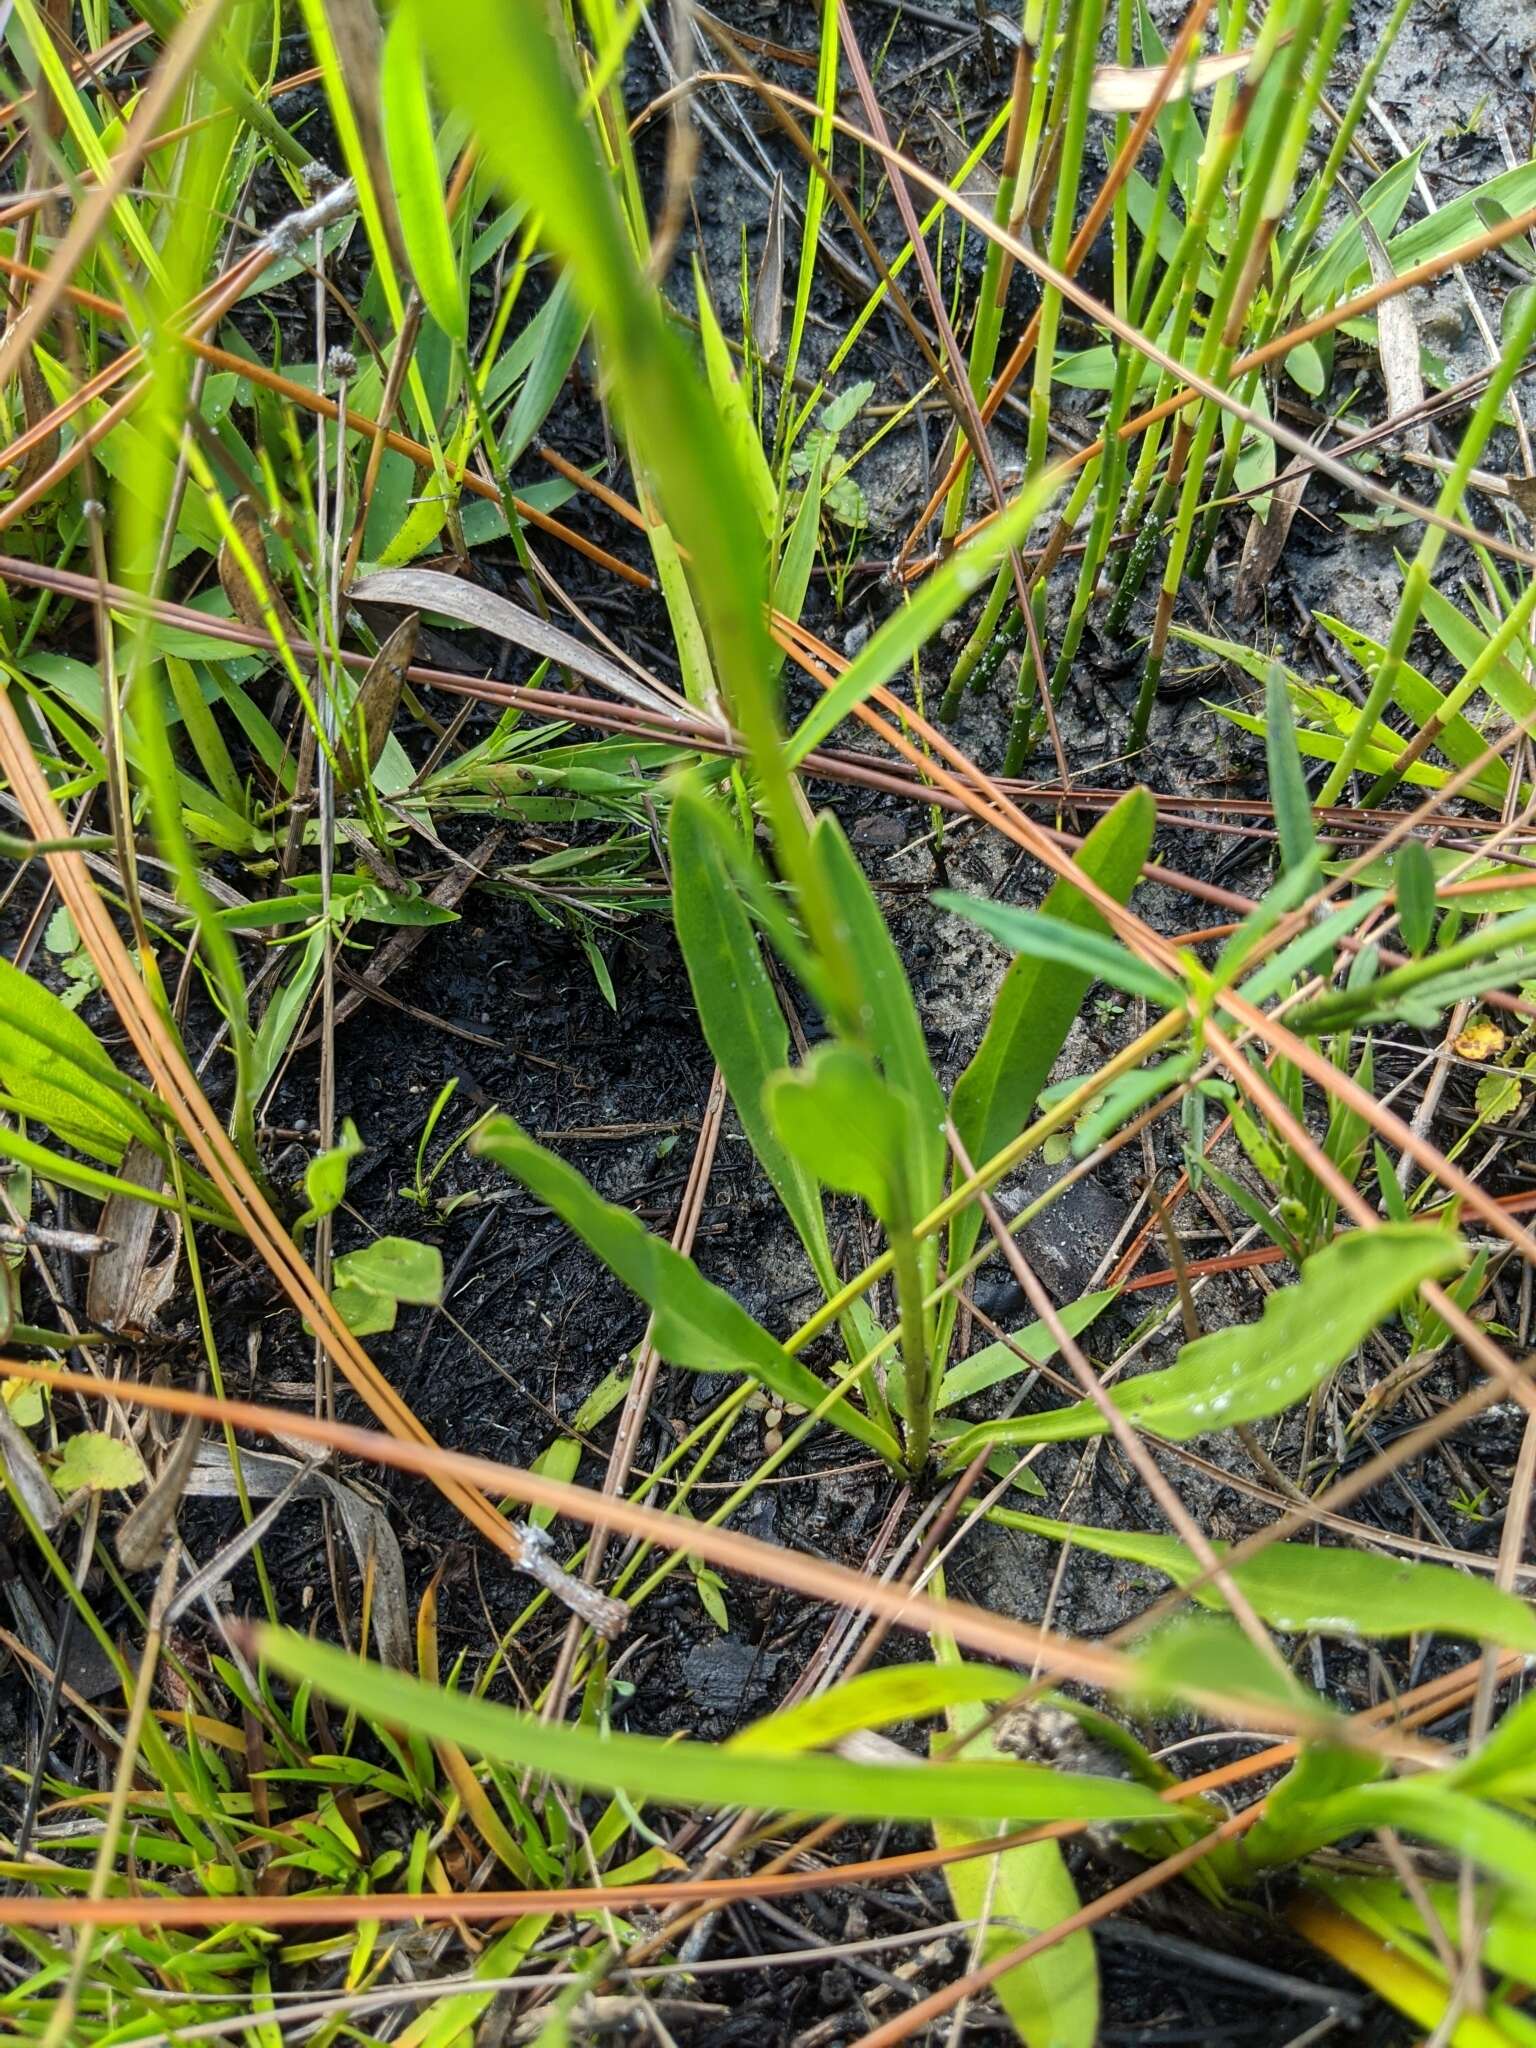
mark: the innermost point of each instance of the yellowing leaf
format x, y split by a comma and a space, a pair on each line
24, 1400
98, 1461
1482, 1040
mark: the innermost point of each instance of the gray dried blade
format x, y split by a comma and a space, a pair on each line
1264, 542
124, 1292
768, 287
257, 602
378, 695
32, 1486
368, 1531
429, 590
1397, 336
148, 1527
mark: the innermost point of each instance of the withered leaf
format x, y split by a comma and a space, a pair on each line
378, 698
1264, 542
428, 590
123, 1291
1397, 335
1127, 88
254, 603
36, 404
768, 288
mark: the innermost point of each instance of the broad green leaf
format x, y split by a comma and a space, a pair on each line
1256, 1369
1195, 1654
411, 147
848, 1127
875, 1699
995, 1363
1305, 1589
325, 1178
98, 1461
54, 1070
695, 1323
693, 1774
914, 623
400, 1267
1287, 782
1037, 1002
738, 1011
1052, 2000
887, 1021
1043, 937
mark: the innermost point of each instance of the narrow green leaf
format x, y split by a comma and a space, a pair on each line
1037, 1002
731, 400
1245, 1373
693, 1774
738, 1011
1415, 896
695, 1323
875, 1699
1287, 781
1043, 937
411, 147
1306, 1589
995, 1363
799, 556
914, 624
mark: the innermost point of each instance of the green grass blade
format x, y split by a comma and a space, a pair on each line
692, 1774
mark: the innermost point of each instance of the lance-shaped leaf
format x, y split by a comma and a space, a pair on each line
1256, 1369
695, 1323
693, 1774
1037, 1002
1304, 1589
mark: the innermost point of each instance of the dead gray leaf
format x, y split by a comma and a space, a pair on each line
429, 590
378, 695
1397, 334
768, 289
147, 1528
981, 186
1127, 88
32, 1485
124, 1292
367, 1526
254, 598
1523, 490
1264, 542
36, 404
